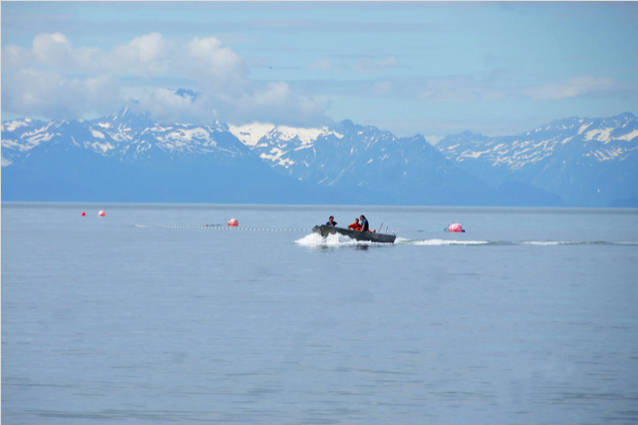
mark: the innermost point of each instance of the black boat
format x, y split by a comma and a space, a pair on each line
325, 230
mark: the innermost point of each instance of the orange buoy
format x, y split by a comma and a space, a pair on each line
101, 213
233, 222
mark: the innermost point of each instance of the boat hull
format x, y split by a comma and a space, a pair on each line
325, 230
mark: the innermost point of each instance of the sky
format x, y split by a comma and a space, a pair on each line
411, 68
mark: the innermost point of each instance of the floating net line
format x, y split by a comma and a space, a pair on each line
222, 227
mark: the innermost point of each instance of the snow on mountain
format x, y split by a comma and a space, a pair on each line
21, 136
15, 124
251, 134
586, 161
26, 134
123, 135
574, 161
276, 143
601, 139
128, 157
361, 162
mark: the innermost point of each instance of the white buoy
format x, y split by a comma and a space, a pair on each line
233, 222
101, 213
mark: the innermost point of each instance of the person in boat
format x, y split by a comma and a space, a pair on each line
365, 227
331, 222
355, 226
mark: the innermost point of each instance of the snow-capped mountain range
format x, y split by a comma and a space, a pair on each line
602, 139
123, 135
128, 156
584, 161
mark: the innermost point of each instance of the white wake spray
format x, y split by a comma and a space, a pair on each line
332, 240
441, 242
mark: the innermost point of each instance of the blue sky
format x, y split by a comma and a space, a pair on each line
428, 68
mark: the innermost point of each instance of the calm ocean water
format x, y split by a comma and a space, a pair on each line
153, 314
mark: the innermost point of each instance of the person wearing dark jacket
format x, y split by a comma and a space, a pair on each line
331, 221
365, 227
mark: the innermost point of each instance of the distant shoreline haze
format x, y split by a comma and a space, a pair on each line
128, 157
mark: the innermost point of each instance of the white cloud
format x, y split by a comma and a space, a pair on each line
166, 105
15, 58
146, 48
209, 53
573, 87
323, 65
148, 54
458, 88
275, 94
375, 64
32, 91
463, 88
52, 49
383, 87
55, 79
358, 64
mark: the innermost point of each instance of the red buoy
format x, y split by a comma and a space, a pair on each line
83, 214
455, 227
233, 222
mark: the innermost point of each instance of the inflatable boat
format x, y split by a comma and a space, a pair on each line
325, 230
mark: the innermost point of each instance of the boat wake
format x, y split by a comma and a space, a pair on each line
442, 242
338, 240
460, 242
332, 240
